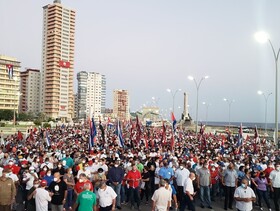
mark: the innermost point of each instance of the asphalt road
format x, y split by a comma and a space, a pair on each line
217, 206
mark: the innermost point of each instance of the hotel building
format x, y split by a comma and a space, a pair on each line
57, 61
9, 83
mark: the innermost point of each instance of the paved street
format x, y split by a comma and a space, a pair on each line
217, 206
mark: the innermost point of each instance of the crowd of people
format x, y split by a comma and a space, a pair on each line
59, 169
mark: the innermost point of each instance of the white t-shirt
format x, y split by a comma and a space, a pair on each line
106, 196
156, 176
188, 186
161, 198
241, 192
42, 198
1, 169
86, 172
13, 177
29, 183
274, 176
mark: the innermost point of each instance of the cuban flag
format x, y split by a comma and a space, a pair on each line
10, 70
119, 134
48, 140
173, 121
92, 133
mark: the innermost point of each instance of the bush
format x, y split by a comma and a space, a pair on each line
2, 124
37, 122
46, 125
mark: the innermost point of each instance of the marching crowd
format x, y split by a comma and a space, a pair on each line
57, 169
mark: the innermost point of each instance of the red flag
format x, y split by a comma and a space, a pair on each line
20, 136
64, 64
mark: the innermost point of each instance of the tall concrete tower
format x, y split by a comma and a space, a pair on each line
57, 61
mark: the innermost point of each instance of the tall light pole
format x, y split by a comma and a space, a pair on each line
197, 85
229, 102
15, 94
265, 113
263, 37
207, 108
173, 96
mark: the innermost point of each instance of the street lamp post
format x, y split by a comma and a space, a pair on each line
229, 107
263, 37
207, 108
197, 85
15, 94
265, 114
173, 96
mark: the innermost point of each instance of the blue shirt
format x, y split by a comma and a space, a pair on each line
115, 174
166, 173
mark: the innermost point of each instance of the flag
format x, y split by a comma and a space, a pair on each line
10, 70
173, 121
20, 136
163, 137
240, 136
64, 64
48, 140
92, 133
138, 136
119, 134
102, 131
257, 138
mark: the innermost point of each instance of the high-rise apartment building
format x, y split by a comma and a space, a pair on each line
121, 104
29, 88
9, 83
91, 94
57, 61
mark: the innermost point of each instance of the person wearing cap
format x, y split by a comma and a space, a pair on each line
86, 199
7, 192
106, 197
161, 197
275, 184
115, 176
42, 197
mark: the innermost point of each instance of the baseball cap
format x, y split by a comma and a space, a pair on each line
44, 183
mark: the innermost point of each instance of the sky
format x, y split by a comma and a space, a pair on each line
148, 46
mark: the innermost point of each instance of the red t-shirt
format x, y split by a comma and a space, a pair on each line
133, 178
79, 187
214, 176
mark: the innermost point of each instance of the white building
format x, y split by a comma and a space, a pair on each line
91, 94
29, 88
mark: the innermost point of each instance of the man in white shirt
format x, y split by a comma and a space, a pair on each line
274, 177
161, 198
106, 197
181, 174
42, 197
244, 196
188, 193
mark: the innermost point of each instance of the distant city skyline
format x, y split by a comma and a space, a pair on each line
146, 47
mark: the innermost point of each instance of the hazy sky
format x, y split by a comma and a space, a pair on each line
147, 46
